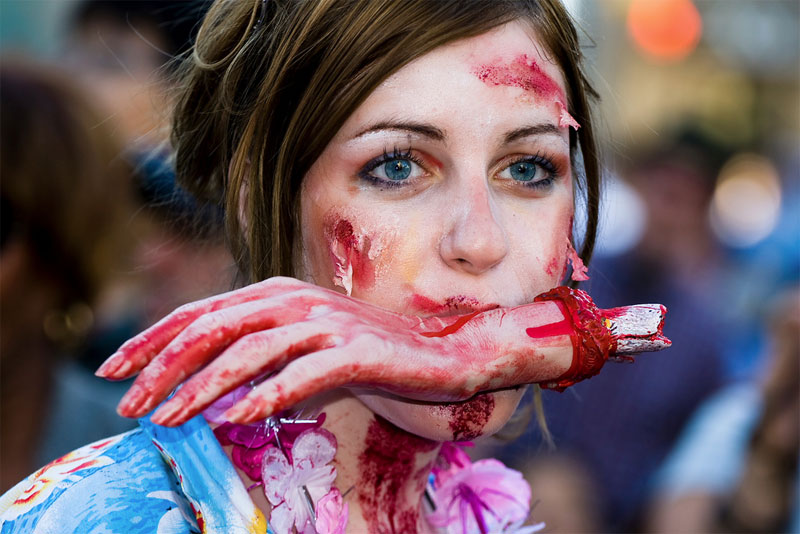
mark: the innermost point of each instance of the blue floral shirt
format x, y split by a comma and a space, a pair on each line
149, 480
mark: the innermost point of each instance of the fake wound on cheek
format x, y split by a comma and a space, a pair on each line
351, 254
524, 72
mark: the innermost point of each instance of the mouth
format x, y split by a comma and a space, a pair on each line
453, 305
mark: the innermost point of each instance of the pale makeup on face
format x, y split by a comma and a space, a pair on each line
416, 206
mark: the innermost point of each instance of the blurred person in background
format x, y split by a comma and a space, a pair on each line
735, 467
614, 438
120, 52
66, 196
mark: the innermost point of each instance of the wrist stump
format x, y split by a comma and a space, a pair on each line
592, 339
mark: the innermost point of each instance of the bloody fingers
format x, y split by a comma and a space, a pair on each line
137, 352
197, 344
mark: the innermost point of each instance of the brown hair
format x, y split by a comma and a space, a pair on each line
270, 82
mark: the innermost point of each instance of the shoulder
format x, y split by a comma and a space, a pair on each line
118, 484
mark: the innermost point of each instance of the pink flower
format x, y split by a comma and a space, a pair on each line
251, 441
482, 497
284, 482
331, 514
454, 455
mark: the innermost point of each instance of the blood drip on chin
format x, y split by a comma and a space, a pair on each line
387, 465
469, 418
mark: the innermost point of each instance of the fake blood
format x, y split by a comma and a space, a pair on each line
456, 304
355, 250
523, 72
387, 465
592, 341
452, 328
578, 268
425, 304
467, 419
561, 328
552, 266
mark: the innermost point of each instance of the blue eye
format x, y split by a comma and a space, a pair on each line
397, 169
523, 171
537, 172
394, 169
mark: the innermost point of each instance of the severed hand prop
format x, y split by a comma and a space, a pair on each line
299, 340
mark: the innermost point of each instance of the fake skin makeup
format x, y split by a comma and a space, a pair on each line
458, 232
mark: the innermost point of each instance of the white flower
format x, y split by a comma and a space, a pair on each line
285, 483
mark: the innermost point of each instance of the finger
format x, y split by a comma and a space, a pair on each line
298, 381
137, 352
329, 369
196, 345
248, 358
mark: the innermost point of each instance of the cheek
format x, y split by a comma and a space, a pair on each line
407, 246
542, 247
351, 250
400, 256
350, 253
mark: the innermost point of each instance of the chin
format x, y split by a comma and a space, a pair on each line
482, 415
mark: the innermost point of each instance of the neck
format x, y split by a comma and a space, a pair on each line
386, 466
381, 469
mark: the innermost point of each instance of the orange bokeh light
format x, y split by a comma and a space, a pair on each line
664, 29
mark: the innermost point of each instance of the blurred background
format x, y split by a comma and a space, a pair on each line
700, 129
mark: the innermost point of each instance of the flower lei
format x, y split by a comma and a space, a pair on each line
483, 497
289, 456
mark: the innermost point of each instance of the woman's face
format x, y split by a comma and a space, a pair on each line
447, 191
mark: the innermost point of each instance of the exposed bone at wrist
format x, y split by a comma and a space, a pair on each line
638, 328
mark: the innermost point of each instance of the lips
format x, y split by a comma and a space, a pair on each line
453, 305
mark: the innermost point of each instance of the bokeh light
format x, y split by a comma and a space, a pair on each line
747, 201
664, 29
623, 218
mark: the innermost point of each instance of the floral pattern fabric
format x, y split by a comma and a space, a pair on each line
179, 481
149, 480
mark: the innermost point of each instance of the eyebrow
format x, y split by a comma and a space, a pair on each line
423, 129
528, 131
436, 134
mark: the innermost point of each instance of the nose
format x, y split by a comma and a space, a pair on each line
475, 240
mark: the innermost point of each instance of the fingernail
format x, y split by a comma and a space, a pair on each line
109, 367
234, 413
177, 419
242, 413
123, 369
167, 413
133, 402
